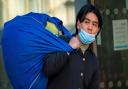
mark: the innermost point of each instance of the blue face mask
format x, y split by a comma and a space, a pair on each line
85, 37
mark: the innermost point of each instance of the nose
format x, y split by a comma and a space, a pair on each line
90, 28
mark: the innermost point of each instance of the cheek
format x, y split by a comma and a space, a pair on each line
83, 25
95, 31
85, 28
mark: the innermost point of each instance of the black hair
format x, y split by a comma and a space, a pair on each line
84, 11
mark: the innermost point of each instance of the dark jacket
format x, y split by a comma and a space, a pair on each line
73, 71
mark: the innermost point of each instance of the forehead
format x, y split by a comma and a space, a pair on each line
91, 16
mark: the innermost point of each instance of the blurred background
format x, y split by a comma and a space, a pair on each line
112, 42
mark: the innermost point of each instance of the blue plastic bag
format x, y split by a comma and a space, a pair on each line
25, 42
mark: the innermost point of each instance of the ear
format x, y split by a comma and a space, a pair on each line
98, 31
78, 24
99, 28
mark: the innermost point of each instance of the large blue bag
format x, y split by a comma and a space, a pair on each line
25, 42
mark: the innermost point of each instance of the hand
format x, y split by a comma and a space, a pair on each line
75, 42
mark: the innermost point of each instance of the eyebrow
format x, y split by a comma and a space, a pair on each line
92, 21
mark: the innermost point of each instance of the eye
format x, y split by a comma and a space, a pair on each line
86, 21
95, 24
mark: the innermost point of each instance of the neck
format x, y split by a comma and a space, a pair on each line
83, 47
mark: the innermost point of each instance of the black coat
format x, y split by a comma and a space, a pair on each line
73, 71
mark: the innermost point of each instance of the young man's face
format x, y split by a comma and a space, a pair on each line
90, 23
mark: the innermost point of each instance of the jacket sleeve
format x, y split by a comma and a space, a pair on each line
54, 62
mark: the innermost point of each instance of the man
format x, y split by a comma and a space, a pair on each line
78, 69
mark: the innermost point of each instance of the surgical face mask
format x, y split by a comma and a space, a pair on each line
85, 37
